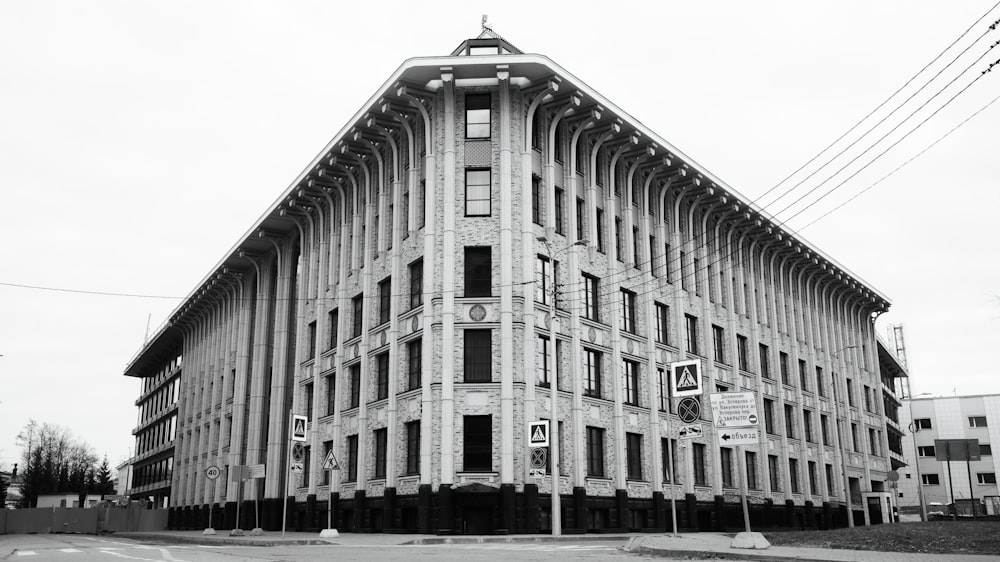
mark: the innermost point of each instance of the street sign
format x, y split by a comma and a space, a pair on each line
299, 428
536, 473
956, 450
297, 467
689, 431
734, 409
298, 452
331, 462
538, 433
739, 436
685, 378
689, 409
538, 457
239, 472
212, 472
255, 471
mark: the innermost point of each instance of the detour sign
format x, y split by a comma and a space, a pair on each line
734, 409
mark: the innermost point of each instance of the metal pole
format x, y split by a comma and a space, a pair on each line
916, 461
741, 464
673, 483
329, 500
287, 475
556, 505
239, 497
951, 487
972, 497
843, 456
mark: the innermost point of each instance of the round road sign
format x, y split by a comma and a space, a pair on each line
212, 472
689, 409
538, 457
298, 452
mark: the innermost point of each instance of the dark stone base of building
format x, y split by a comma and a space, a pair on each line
483, 510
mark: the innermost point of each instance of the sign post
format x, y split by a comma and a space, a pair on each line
330, 463
735, 416
297, 437
685, 383
211, 472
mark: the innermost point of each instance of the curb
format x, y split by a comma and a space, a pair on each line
202, 539
634, 546
502, 539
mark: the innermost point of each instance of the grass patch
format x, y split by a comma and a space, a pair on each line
937, 537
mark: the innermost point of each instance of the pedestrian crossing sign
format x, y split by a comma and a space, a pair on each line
538, 433
685, 378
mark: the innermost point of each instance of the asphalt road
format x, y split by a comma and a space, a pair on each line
70, 548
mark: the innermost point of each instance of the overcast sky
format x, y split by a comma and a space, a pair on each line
140, 140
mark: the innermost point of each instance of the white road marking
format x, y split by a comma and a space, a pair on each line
69, 550
27, 553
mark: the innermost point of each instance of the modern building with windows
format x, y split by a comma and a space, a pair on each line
403, 291
934, 419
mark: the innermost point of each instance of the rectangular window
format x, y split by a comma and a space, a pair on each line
580, 214
478, 271
790, 421
630, 372
358, 308
595, 452
726, 459
413, 447
986, 477
560, 211
765, 362
786, 377
542, 362
743, 352
793, 475
666, 393
977, 421
312, 340
334, 327
807, 423
543, 279
698, 451
355, 385
854, 438
752, 471
331, 392
382, 374
850, 392
536, 200
868, 398
769, 416
922, 423
662, 323
636, 248
824, 426
820, 389
478, 355
384, 299
633, 456
591, 298
627, 323
668, 453
477, 116
874, 440
774, 473
719, 343
985, 450
380, 450
813, 485
352, 458
600, 231
619, 243
592, 373
478, 443
416, 283
478, 187
692, 333
309, 401
306, 463
415, 362
803, 377
830, 481
930, 479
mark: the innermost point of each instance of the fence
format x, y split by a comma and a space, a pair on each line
81, 520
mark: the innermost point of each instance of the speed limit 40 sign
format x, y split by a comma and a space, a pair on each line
212, 472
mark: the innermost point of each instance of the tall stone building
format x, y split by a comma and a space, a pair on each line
402, 291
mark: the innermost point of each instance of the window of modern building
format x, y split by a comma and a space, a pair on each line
478, 271
478, 355
627, 319
726, 459
769, 416
793, 475
790, 424
560, 211
334, 327
925, 451
930, 479
662, 323
752, 483
630, 374
765, 362
592, 372
774, 473
413, 447
382, 376
977, 421
416, 271
358, 309
985, 450
807, 425
813, 484
478, 192
536, 200
922, 423
384, 299
591, 298
698, 454
986, 477
352, 458
331, 392
380, 452
803, 377
595, 452
478, 443
415, 361
719, 343
633, 456
355, 385
691, 324
477, 116
668, 453
742, 352
786, 377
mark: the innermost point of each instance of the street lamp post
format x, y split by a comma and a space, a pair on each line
840, 442
554, 390
916, 456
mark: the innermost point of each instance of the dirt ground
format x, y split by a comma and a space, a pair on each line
941, 537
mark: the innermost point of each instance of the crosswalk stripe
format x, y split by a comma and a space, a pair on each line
27, 553
69, 550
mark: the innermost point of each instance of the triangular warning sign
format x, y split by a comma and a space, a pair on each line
538, 435
686, 380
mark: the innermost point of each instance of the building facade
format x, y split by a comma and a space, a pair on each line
403, 294
933, 419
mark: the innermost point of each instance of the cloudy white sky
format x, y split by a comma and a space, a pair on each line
140, 140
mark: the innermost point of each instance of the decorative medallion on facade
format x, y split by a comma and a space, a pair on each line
415, 324
592, 334
477, 312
